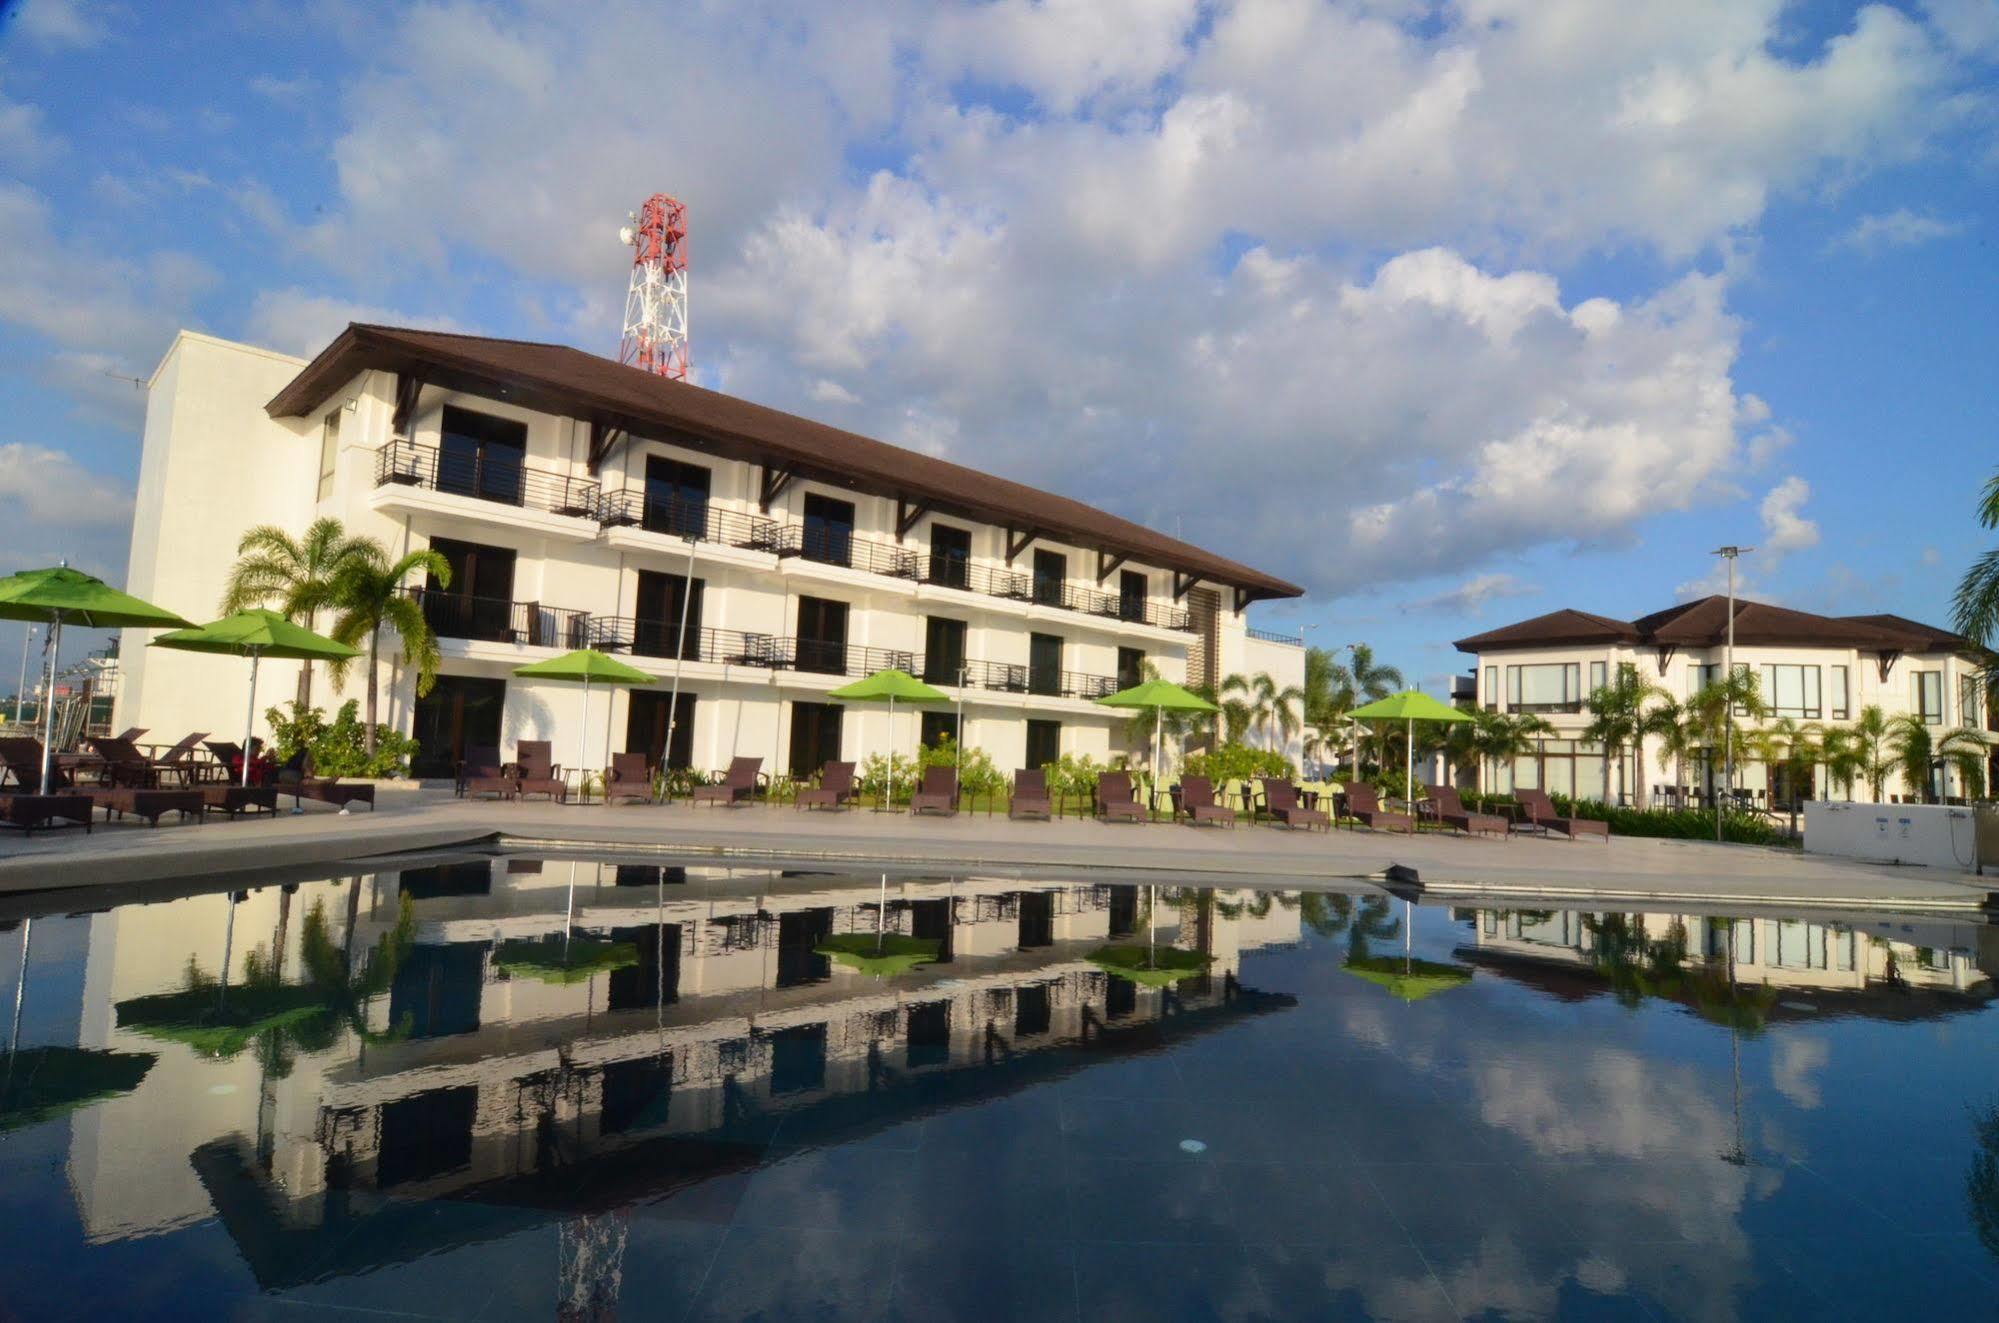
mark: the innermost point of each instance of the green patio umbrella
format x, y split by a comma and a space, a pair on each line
881, 954
891, 684
1406, 978
63, 596
586, 665
219, 1024
1150, 966
1411, 706
257, 633
42, 1083
563, 959
1162, 696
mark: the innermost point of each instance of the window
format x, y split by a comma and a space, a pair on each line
1044, 664
1599, 676
1970, 705
1491, 694
329, 449
1550, 687
676, 497
943, 651
1051, 576
657, 609
1132, 592
1044, 742
1130, 667
1700, 677
483, 456
937, 727
815, 736
1928, 702
950, 556
829, 530
1841, 703
822, 636
1791, 691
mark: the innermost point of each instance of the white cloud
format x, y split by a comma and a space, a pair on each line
24, 140
1785, 528
1064, 52
52, 509
283, 90
1900, 228
59, 24
1972, 26
296, 321
1470, 597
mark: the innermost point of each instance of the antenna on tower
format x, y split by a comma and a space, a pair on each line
656, 305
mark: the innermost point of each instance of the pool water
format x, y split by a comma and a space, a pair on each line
481, 1087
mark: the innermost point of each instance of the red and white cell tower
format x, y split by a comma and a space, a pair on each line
656, 306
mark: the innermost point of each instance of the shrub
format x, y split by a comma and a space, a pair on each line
339, 747
1073, 777
872, 778
1238, 762
1668, 824
977, 774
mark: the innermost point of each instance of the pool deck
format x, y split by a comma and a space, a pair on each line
1630, 872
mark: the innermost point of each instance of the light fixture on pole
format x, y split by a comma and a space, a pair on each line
1729, 554
679, 655
21, 685
1305, 638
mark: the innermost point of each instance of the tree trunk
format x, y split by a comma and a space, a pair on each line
1638, 773
305, 677
374, 656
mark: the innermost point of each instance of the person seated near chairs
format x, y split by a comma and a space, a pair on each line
263, 768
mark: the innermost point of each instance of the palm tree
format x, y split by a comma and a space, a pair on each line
1917, 748
1238, 714
1324, 702
1617, 722
1726, 737
1261, 705
1795, 747
368, 594
1498, 738
1975, 610
1845, 757
1870, 735
1363, 678
1667, 722
294, 577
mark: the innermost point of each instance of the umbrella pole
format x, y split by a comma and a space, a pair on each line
890, 806
583, 746
20, 987
881, 917
228, 944
48, 699
1409, 771
250, 715
1158, 721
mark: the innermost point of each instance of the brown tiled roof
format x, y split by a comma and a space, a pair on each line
1703, 623
559, 379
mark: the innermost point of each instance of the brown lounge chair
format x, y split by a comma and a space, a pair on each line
537, 772
28, 812
227, 766
738, 784
1198, 802
1539, 811
133, 734
1364, 805
1114, 799
238, 800
1280, 801
938, 793
21, 763
297, 779
834, 791
1451, 811
629, 778
125, 765
1030, 795
482, 773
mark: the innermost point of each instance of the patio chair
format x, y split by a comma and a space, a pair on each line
1030, 795
629, 778
133, 734
1280, 801
297, 779
1450, 810
1198, 802
228, 759
125, 765
1364, 805
738, 784
184, 758
835, 790
21, 766
1537, 810
482, 773
28, 812
537, 771
1114, 799
938, 793
235, 800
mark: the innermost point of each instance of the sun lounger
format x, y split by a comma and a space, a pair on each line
125, 765
1114, 799
1198, 802
482, 773
938, 793
1450, 810
238, 800
133, 734
834, 791
738, 784
1364, 805
537, 771
629, 778
28, 812
296, 778
228, 760
1030, 795
152, 805
1537, 810
1280, 801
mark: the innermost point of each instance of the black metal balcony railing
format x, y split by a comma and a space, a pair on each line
834, 546
659, 638
1271, 636
956, 572
629, 508
485, 477
497, 620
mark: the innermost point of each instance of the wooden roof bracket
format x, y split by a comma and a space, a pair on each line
775, 480
603, 438
907, 512
1666, 651
1017, 540
1106, 562
1242, 599
1887, 660
1182, 583
408, 386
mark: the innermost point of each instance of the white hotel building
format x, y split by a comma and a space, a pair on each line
584, 503
1817, 670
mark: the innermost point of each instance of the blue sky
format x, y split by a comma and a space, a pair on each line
1454, 314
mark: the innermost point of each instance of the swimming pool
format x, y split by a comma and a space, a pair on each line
508, 1087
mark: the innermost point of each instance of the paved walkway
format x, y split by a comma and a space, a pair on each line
1444, 867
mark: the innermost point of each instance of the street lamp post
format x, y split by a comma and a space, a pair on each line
1729, 554
679, 657
1305, 637
21, 685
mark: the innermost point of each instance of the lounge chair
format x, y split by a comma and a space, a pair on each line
629, 778
236, 800
1198, 802
938, 793
228, 759
133, 734
125, 765
1451, 811
1280, 801
482, 773
21, 765
1114, 799
737, 786
152, 805
184, 758
1030, 795
28, 812
1537, 810
1364, 805
297, 779
537, 772
834, 791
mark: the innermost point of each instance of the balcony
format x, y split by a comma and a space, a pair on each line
847, 551
502, 486
701, 521
953, 572
1272, 636
497, 620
